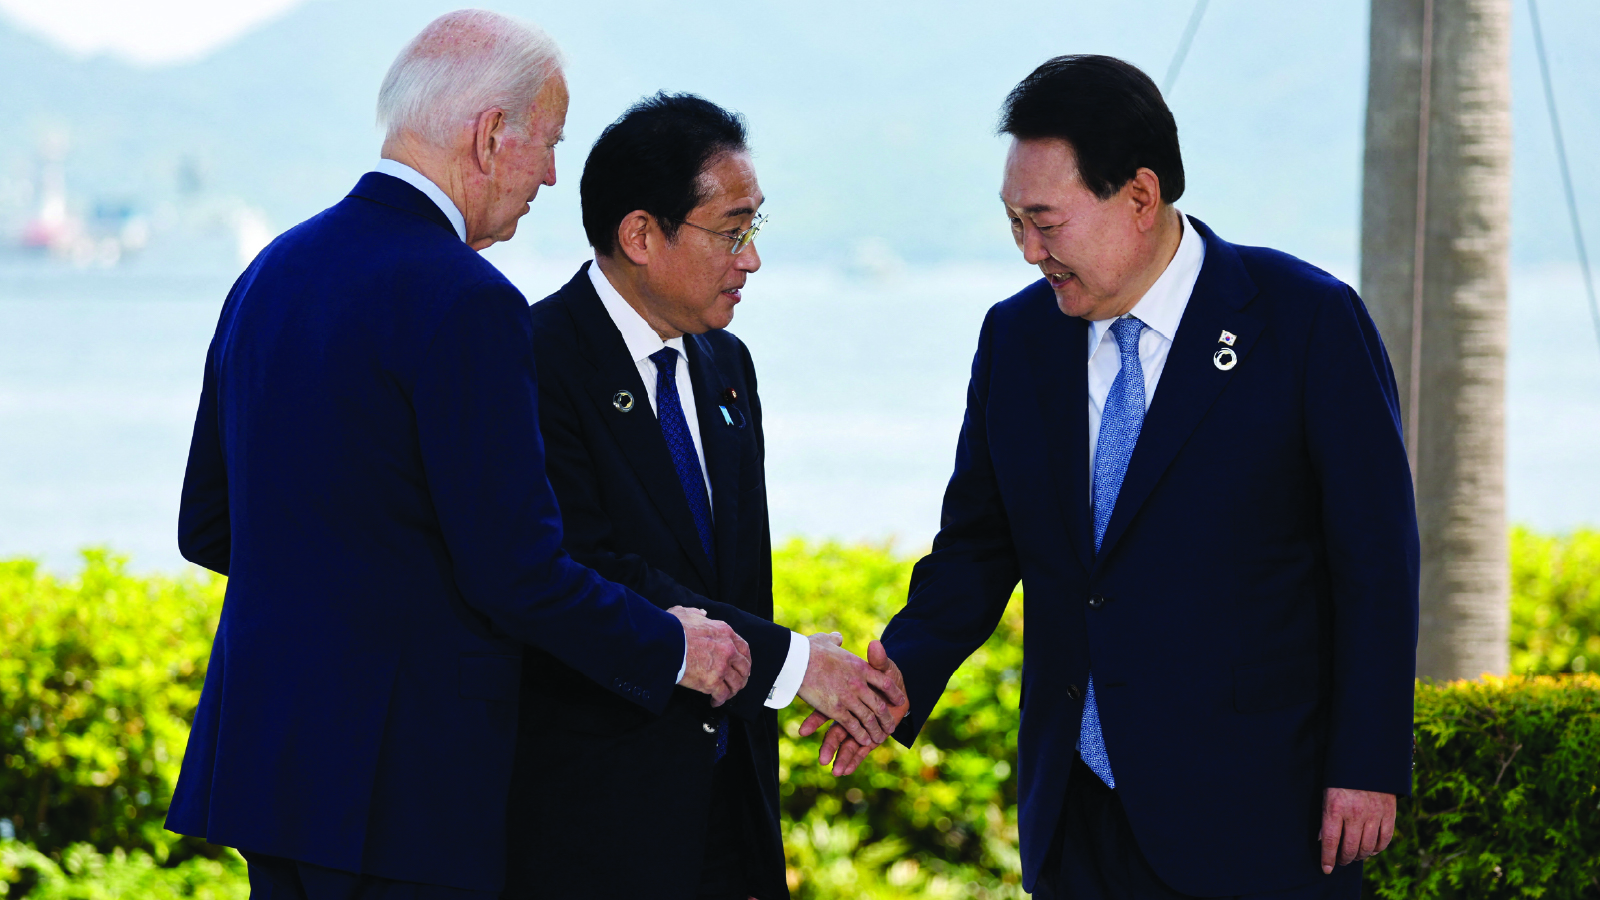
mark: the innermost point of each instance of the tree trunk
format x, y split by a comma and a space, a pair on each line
1438, 293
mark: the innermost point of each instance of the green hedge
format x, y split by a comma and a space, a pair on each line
100, 673
1555, 602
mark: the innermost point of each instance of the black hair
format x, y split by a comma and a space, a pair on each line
1109, 111
651, 159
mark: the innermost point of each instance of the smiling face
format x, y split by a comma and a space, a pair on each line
523, 163
1096, 254
691, 283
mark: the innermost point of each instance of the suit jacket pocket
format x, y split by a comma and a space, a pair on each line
494, 678
1262, 687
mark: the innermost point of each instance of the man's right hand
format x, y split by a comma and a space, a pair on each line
717, 660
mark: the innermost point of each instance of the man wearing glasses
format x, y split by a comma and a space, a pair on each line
652, 430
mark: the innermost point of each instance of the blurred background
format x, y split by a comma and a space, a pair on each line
148, 150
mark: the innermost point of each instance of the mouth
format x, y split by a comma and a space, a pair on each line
732, 294
1058, 280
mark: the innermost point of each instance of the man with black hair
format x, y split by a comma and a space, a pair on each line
1219, 548
652, 429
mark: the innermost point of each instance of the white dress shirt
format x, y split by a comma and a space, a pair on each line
422, 183
1161, 308
642, 341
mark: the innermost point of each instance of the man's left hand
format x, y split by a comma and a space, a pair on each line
1355, 825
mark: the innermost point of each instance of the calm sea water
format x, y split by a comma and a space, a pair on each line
862, 376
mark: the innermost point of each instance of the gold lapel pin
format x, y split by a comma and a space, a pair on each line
1225, 359
1228, 338
623, 401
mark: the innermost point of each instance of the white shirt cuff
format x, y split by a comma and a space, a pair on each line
792, 673
684, 669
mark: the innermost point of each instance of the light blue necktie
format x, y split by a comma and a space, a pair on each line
675, 428
1120, 422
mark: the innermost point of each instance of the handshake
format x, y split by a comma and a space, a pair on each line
865, 698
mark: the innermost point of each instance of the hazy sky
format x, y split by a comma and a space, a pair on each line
147, 31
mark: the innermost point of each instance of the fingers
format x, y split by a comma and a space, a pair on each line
1369, 840
830, 744
1351, 845
1385, 832
812, 723
1332, 826
887, 687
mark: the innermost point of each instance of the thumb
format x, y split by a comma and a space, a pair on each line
878, 657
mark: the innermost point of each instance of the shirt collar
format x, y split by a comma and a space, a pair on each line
424, 184
641, 339
1161, 308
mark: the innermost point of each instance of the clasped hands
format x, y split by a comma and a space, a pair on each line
865, 698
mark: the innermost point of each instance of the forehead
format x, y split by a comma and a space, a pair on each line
730, 179
1040, 173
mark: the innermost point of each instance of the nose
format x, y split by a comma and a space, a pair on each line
748, 259
550, 176
1031, 243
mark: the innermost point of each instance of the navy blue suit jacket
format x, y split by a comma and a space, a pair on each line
1251, 616
645, 781
367, 469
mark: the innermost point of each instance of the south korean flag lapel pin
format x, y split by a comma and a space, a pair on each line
1225, 358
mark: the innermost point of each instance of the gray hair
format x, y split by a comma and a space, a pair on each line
463, 63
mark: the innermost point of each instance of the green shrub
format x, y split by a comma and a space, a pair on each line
1555, 602
99, 678
1507, 795
84, 873
939, 820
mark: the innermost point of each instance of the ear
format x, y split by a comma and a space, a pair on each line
635, 233
488, 136
1144, 197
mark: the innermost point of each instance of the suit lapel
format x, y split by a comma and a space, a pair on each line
1190, 382
637, 432
1057, 346
720, 443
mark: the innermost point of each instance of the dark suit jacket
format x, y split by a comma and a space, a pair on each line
633, 787
361, 471
1251, 617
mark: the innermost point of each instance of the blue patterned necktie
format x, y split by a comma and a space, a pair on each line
675, 428
1120, 422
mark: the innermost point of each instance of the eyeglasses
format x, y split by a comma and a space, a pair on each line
741, 240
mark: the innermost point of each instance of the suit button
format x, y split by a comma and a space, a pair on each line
1074, 692
1096, 601
710, 728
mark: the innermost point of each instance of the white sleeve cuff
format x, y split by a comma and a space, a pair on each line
684, 669
792, 673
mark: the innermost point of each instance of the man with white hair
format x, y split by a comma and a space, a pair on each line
367, 469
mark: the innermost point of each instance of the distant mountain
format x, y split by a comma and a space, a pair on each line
872, 122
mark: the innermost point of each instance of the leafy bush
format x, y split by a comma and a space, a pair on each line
86, 874
99, 678
100, 674
939, 820
1507, 796
1555, 602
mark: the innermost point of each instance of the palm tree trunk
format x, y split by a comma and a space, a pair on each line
1433, 271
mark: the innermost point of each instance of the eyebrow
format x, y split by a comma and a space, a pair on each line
744, 210
1032, 210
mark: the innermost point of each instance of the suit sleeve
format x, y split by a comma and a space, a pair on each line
590, 539
476, 402
205, 535
959, 590
1370, 532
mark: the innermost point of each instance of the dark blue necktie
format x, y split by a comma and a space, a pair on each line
1120, 423
675, 428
